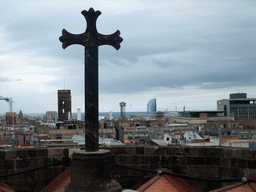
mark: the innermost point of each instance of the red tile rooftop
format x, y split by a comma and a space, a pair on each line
242, 141
156, 183
129, 141
60, 182
5, 188
225, 139
25, 146
239, 187
165, 183
5, 144
151, 183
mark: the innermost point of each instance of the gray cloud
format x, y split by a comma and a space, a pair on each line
206, 45
8, 79
239, 72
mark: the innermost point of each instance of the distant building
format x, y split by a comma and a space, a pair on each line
110, 116
25, 138
78, 117
66, 129
64, 105
247, 143
238, 106
106, 129
11, 118
64, 133
151, 106
201, 114
20, 116
140, 130
122, 109
52, 114
159, 115
191, 136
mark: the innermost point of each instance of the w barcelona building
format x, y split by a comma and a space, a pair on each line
151, 106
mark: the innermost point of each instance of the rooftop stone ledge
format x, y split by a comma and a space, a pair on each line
33, 153
190, 151
186, 151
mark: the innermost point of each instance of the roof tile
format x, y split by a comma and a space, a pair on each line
166, 183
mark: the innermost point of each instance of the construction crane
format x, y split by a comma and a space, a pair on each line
7, 99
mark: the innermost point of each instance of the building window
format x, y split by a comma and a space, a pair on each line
225, 110
252, 112
234, 112
243, 113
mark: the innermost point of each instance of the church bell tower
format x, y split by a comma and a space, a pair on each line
64, 105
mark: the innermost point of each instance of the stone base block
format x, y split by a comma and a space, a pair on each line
93, 171
113, 186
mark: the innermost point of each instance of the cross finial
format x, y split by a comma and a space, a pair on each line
91, 37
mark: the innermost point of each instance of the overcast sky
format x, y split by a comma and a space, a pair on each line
182, 52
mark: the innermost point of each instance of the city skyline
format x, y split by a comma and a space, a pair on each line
183, 53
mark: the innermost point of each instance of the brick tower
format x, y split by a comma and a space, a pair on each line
64, 105
11, 118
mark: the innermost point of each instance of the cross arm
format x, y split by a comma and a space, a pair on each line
113, 39
69, 39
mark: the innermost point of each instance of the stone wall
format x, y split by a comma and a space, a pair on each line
13, 161
212, 162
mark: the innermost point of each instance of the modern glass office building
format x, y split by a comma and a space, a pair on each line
151, 106
238, 106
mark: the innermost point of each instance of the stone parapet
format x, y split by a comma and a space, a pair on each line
213, 162
18, 160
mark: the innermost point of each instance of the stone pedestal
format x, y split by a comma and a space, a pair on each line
93, 171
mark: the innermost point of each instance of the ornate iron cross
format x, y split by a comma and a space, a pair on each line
91, 40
